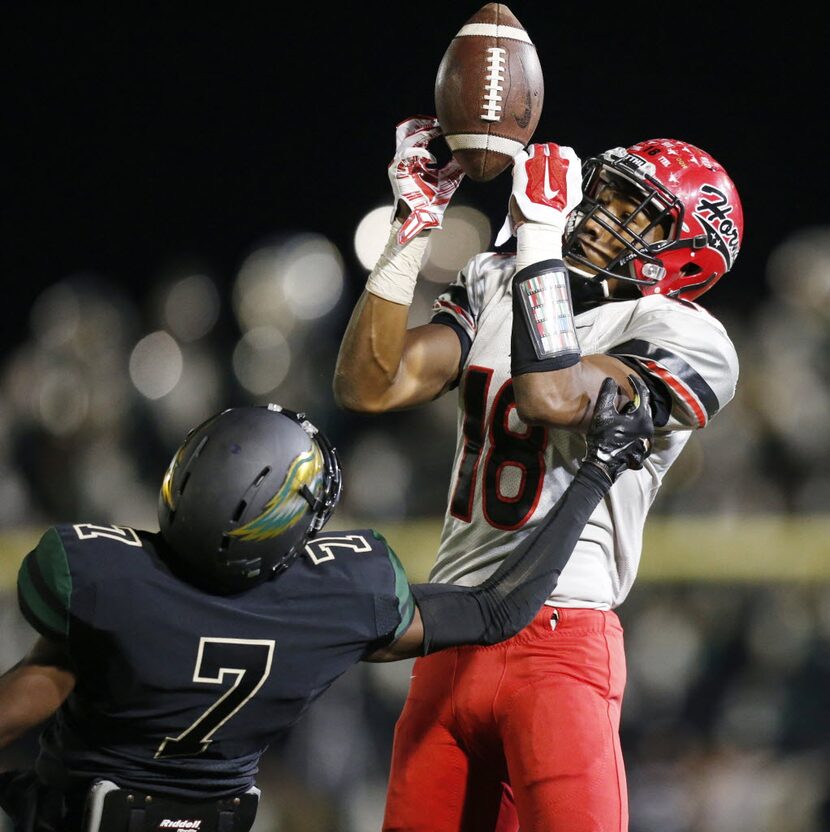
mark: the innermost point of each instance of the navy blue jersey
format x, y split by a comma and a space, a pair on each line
179, 690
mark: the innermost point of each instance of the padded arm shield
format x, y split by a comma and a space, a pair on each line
543, 337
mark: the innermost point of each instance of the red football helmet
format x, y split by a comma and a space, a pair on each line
679, 188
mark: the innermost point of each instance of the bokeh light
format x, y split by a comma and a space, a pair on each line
257, 293
191, 307
379, 474
56, 315
62, 400
371, 235
465, 231
312, 275
798, 270
156, 364
283, 283
261, 359
199, 394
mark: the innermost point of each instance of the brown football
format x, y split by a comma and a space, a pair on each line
489, 91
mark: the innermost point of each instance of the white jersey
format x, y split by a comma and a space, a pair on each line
506, 475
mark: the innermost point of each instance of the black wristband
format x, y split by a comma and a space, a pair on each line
594, 472
543, 337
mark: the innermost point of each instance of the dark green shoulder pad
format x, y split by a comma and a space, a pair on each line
403, 593
44, 586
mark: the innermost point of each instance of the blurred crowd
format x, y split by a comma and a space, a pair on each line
726, 722
106, 385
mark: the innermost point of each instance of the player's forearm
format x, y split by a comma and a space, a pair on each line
369, 366
565, 398
30, 694
507, 601
554, 383
370, 356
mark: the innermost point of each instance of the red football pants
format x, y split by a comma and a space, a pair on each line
538, 714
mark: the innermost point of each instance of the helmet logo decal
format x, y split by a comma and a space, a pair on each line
287, 506
638, 164
713, 215
167, 482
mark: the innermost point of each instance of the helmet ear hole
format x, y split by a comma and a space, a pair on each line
690, 270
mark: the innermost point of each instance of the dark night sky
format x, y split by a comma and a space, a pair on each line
136, 135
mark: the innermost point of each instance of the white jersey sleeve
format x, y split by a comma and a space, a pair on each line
460, 305
688, 350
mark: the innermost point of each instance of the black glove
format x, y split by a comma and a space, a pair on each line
620, 440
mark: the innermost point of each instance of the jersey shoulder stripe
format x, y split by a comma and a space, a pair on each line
452, 308
405, 603
464, 339
680, 376
455, 301
44, 586
682, 346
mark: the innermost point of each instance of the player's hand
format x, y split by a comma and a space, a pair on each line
618, 440
547, 186
425, 189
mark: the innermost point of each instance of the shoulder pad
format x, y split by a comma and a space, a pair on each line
689, 350
44, 586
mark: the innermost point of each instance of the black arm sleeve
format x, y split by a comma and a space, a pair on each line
507, 601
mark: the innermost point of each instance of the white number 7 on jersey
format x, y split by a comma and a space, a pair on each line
247, 659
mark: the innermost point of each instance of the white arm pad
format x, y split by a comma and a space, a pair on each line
396, 270
535, 243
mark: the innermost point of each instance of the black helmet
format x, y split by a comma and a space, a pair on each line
243, 494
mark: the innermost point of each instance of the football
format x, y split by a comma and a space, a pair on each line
489, 92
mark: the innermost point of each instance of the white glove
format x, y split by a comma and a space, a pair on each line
547, 186
426, 190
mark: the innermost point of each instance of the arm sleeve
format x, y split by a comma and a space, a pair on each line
507, 601
395, 608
